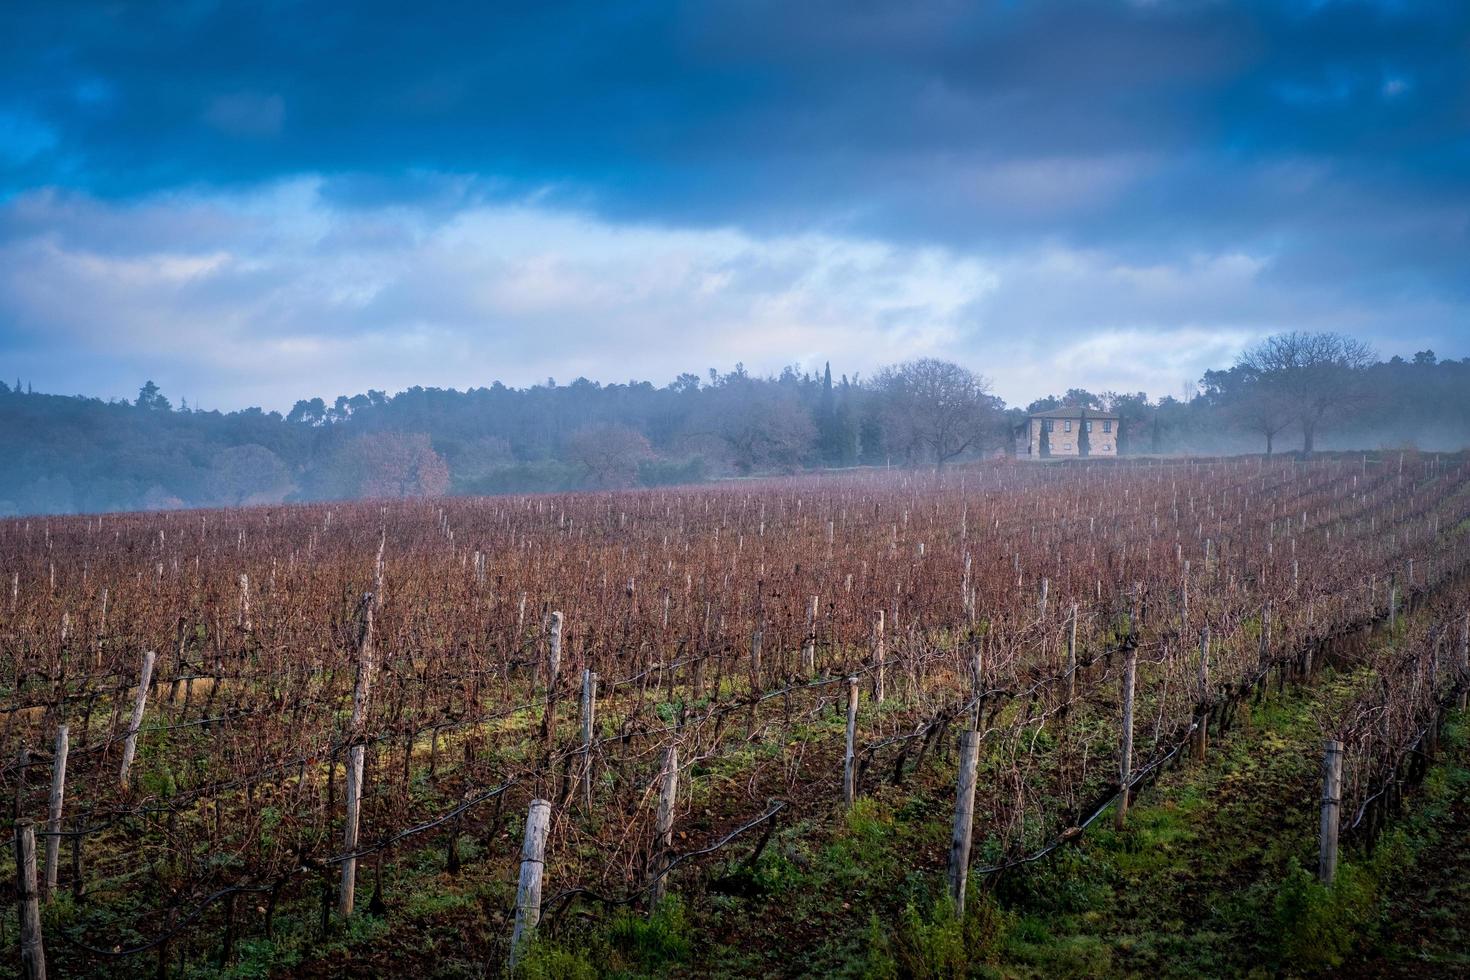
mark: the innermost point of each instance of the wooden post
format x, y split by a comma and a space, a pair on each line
809, 648
964, 820
363, 685
553, 689
878, 658
32, 952
589, 709
849, 769
528, 893
345, 891
130, 745
1331, 805
553, 662
244, 621
663, 826
1125, 758
1201, 738
977, 684
1071, 687
53, 816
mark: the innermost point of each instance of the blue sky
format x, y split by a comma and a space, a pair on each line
255, 202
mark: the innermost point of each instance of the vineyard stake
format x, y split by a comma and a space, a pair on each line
1125, 760
589, 709
1072, 656
1201, 738
553, 672
1331, 805
964, 820
363, 685
528, 892
663, 826
553, 661
849, 771
53, 817
130, 745
32, 952
349, 831
244, 620
809, 648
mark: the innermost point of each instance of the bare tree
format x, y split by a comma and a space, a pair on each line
1312, 373
610, 453
1265, 410
936, 409
1253, 401
757, 425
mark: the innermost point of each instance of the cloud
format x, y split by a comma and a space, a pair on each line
341, 196
268, 295
277, 293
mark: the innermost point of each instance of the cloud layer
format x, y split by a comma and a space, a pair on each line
263, 201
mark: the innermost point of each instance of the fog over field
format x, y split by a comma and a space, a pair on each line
884, 489
674, 220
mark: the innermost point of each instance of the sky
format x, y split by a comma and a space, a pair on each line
252, 203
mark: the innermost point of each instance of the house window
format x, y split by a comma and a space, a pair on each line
1067, 425
1107, 425
1051, 425
1089, 425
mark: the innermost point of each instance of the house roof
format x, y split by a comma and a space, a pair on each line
1069, 412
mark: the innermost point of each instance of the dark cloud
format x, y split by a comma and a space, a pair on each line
1327, 143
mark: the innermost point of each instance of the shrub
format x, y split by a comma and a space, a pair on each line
1318, 926
934, 944
652, 942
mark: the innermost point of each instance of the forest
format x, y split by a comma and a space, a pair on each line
1293, 392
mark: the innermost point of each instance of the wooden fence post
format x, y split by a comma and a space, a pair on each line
528, 892
663, 826
130, 745
1331, 805
849, 768
1125, 759
32, 952
53, 816
346, 890
964, 820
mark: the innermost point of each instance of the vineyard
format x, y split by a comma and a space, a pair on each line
838, 718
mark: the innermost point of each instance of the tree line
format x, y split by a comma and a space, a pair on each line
1297, 391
